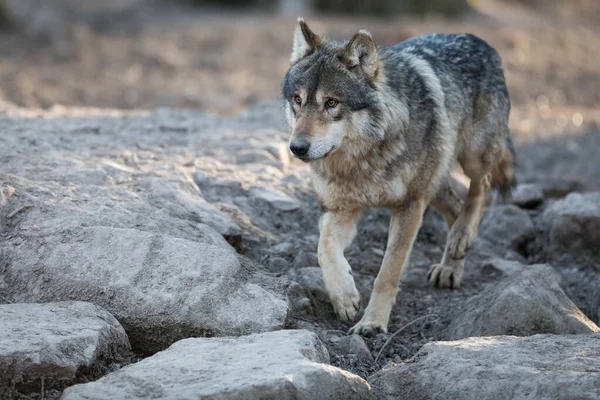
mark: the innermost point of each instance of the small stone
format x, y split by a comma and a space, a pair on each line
352, 344
253, 156
292, 178
507, 226
283, 248
528, 195
502, 267
573, 225
226, 184
307, 258
311, 278
378, 252
274, 198
278, 264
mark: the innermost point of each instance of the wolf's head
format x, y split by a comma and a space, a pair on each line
329, 92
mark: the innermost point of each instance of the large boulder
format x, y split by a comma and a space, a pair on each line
100, 206
551, 367
276, 365
573, 225
528, 302
160, 287
53, 345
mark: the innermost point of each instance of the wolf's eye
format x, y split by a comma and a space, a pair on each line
297, 99
331, 103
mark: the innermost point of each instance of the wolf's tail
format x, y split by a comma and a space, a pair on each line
503, 173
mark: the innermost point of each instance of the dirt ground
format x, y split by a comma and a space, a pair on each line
176, 56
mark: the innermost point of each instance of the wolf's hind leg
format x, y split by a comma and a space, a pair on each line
448, 273
337, 230
404, 225
447, 202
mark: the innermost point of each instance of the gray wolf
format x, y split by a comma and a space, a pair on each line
384, 127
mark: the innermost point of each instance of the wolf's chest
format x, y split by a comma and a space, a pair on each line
360, 192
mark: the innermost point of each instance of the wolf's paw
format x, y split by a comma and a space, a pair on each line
367, 329
460, 245
444, 276
346, 302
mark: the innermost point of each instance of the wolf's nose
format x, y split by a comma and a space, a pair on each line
299, 147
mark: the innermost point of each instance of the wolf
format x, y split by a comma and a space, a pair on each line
383, 127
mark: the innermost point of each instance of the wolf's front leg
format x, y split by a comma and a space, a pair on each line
404, 226
337, 231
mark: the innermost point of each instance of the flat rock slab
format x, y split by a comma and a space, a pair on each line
551, 367
528, 302
276, 365
52, 345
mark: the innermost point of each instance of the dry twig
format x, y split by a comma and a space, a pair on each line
398, 331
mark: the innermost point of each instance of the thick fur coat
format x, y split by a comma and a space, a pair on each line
384, 127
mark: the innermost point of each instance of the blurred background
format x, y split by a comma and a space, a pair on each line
222, 56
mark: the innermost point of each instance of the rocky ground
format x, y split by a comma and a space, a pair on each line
175, 251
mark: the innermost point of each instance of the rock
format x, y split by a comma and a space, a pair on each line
254, 156
300, 303
201, 177
80, 221
53, 345
500, 266
526, 303
484, 252
548, 367
528, 195
278, 264
507, 226
307, 258
161, 288
275, 365
182, 198
573, 225
310, 286
274, 198
558, 187
311, 279
283, 249
351, 345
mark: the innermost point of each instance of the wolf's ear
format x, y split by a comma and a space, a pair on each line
361, 51
305, 42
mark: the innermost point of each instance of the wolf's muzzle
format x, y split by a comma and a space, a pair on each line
299, 147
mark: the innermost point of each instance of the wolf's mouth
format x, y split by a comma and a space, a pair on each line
309, 159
